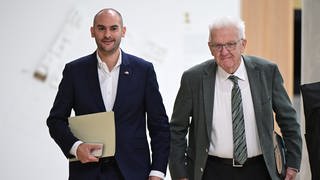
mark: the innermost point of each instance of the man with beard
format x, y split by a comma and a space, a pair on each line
112, 80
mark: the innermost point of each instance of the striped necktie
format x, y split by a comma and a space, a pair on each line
239, 139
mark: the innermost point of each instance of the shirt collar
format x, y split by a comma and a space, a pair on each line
240, 72
102, 65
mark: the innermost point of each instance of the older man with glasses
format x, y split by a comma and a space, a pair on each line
223, 118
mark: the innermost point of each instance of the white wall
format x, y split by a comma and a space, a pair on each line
310, 64
38, 33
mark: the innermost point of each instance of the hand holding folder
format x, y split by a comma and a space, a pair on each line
97, 128
279, 153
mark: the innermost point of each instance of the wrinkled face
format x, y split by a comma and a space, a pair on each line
227, 46
108, 31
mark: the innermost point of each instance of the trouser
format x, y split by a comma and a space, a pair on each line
224, 169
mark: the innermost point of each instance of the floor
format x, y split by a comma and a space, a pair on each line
305, 173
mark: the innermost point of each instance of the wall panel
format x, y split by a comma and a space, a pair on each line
269, 30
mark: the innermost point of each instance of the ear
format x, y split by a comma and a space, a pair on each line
124, 29
243, 45
92, 31
210, 48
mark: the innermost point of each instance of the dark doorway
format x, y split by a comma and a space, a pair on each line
297, 51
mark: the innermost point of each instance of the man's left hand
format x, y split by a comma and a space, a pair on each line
291, 174
154, 178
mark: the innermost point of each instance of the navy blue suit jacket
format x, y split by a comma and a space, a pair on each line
138, 102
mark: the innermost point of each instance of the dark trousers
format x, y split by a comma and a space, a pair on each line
105, 169
222, 169
110, 170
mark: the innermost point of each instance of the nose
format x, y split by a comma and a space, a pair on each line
224, 50
107, 34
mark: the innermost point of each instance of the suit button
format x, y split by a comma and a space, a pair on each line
207, 150
201, 169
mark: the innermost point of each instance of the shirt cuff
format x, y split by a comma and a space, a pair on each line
157, 174
297, 170
74, 148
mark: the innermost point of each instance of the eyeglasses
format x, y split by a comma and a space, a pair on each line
229, 45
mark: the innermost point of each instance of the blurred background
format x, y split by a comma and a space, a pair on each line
38, 37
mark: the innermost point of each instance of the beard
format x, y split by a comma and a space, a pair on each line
109, 49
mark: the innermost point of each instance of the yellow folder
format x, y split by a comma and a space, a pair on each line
95, 128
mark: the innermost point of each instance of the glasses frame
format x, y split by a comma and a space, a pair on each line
229, 45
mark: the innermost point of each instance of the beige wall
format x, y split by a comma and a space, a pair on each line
269, 30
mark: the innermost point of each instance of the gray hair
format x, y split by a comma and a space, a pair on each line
228, 21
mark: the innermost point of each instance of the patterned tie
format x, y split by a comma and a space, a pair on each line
239, 138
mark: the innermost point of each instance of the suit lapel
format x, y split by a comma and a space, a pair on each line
256, 84
208, 94
125, 75
93, 82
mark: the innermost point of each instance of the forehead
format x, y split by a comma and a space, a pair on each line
107, 18
224, 34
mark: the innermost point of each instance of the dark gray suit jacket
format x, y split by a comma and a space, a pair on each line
195, 99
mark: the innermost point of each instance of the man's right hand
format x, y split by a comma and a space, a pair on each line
84, 152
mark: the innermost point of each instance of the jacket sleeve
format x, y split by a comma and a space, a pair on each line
286, 118
158, 124
179, 125
57, 121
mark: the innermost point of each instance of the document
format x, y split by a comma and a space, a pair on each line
279, 153
97, 128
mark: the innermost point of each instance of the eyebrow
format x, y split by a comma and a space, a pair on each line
115, 26
230, 42
101, 25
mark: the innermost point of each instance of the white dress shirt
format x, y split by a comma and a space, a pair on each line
108, 82
108, 85
221, 143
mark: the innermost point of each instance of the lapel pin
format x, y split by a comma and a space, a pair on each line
126, 72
